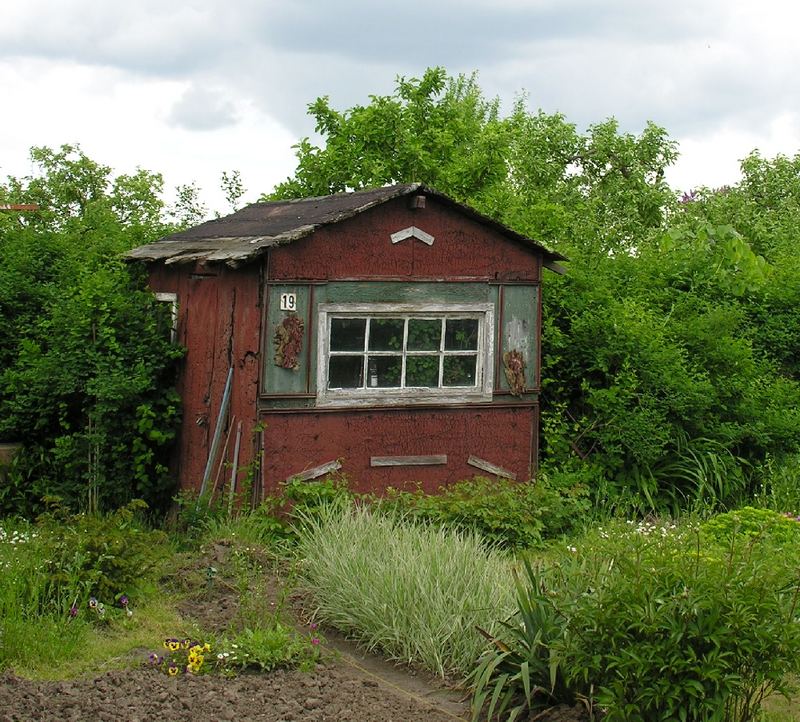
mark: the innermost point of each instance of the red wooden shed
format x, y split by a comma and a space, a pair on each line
393, 333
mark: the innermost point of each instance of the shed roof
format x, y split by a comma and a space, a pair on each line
246, 234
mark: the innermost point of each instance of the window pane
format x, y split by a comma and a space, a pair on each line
461, 334
384, 371
422, 371
347, 334
386, 334
424, 334
459, 370
345, 372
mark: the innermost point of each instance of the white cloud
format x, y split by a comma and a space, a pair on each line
194, 88
203, 108
713, 160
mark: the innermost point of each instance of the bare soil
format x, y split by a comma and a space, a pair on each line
348, 684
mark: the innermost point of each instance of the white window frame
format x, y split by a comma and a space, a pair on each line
484, 373
172, 300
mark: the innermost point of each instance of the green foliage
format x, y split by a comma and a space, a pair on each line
87, 363
669, 628
101, 556
403, 138
48, 571
778, 488
274, 522
748, 522
270, 645
524, 672
415, 592
505, 513
649, 621
310, 497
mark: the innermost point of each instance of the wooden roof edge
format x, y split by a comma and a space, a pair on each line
250, 247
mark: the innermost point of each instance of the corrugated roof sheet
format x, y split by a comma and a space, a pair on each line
248, 233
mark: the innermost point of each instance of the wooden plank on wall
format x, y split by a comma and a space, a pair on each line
484, 465
408, 460
316, 472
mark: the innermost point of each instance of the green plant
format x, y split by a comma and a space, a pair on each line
505, 513
668, 627
87, 366
301, 498
522, 671
267, 646
36, 628
776, 484
751, 523
412, 590
649, 622
103, 556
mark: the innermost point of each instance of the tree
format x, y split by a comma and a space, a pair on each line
86, 381
656, 371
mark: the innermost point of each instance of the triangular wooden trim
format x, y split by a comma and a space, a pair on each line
412, 232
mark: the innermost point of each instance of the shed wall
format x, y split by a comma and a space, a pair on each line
220, 324
361, 247
219, 317
295, 442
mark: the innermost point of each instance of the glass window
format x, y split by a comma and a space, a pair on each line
389, 354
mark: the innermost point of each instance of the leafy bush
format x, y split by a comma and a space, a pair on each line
775, 528
654, 624
301, 498
100, 556
414, 591
505, 513
671, 628
87, 367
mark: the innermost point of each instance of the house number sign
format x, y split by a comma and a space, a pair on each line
288, 302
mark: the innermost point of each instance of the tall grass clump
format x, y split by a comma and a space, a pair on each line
416, 592
778, 488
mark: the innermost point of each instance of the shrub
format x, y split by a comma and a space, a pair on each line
414, 591
99, 555
749, 522
505, 513
655, 624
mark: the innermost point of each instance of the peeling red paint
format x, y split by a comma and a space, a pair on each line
361, 247
218, 323
299, 441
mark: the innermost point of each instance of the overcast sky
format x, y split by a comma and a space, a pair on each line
191, 89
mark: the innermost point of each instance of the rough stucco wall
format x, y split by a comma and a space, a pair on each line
219, 316
360, 247
295, 442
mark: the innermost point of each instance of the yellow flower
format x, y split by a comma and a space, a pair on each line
174, 645
173, 670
